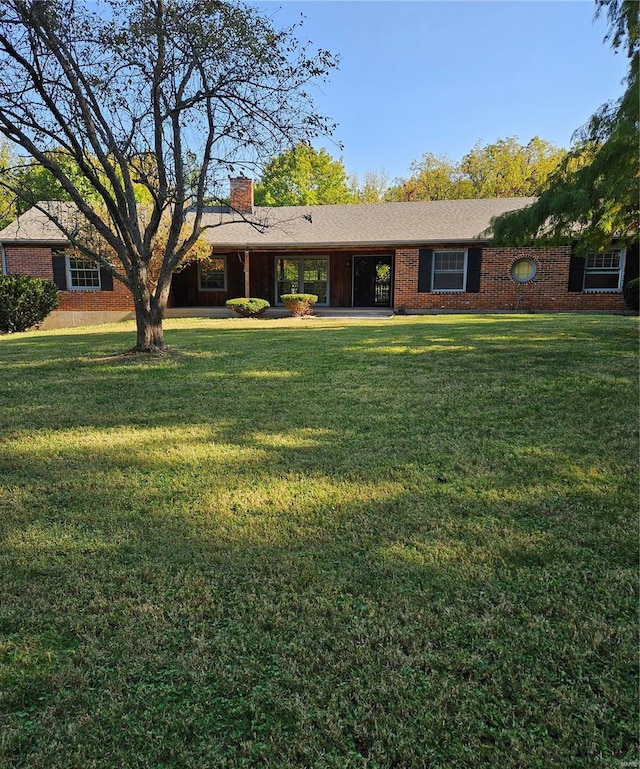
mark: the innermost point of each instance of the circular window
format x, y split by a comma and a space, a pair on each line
523, 270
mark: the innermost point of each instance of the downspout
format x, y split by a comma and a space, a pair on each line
4, 259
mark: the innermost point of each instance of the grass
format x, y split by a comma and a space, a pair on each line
382, 544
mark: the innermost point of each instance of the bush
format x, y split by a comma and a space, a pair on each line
299, 304
248, 308
25, 301
631, 293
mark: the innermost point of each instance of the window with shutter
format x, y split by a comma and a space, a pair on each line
83, 274
603, 271
449, 270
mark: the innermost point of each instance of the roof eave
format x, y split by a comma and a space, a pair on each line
347, 244
33, 242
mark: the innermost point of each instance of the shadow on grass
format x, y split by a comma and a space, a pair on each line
288, 552
325, 631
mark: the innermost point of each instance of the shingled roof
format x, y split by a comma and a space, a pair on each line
34, 226
386, 224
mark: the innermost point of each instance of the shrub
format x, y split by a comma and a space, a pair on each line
299, 304
25, 301
248, 308
631, 293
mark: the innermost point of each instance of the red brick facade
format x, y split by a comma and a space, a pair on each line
38, 261
499, 291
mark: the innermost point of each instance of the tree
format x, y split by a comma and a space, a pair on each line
35, 182
8, 210
593, 195
372, 189
168, 95
508, 169
433, 177
303, 176
505, 168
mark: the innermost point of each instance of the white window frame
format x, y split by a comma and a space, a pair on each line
435, 290
224, 269
604, 271
70, 272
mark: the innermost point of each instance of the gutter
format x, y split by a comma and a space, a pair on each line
289, 246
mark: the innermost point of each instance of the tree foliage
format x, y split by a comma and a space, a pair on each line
505, 168
372, 188
170, 96
593, 195
303, 176
8, 208
508, 169
433, 177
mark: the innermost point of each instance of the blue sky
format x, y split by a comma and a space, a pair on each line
440, 75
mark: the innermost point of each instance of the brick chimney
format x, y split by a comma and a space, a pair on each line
242, 194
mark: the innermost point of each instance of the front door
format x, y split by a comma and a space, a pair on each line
372, 281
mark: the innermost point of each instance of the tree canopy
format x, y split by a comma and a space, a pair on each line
593, 195
306, 176
168, 96
371, 188
502, 169
303, 176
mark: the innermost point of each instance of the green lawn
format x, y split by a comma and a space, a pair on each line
384, 544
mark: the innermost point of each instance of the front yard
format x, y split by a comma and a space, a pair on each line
384, 544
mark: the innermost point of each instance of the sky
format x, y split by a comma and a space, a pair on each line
439, 76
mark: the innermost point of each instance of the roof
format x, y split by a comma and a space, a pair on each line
35, 226
369, 224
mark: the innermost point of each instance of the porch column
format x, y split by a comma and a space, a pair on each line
247, 285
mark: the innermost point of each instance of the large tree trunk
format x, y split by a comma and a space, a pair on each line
150, 309
149, 331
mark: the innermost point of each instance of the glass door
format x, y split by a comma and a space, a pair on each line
372, 281
297, 275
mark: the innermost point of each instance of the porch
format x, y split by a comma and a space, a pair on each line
341, 279
339, 313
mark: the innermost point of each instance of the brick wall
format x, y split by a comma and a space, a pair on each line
29, 260
499, 291
37, 261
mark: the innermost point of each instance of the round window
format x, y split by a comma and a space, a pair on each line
523, 270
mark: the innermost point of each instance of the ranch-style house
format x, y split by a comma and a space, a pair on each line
431, 256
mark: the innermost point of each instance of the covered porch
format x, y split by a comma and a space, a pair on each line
340, 279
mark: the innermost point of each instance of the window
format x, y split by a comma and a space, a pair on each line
603, 272
296, 275
449, 270
212, 274
523, 270
82, 274
72, 272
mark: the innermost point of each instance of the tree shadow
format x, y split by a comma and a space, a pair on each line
294, 555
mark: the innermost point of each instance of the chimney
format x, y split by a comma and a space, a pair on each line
241, 194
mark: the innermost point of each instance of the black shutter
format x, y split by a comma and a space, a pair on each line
474, 259
425, 261
60, 271
631, 263
106, 280
576, 273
